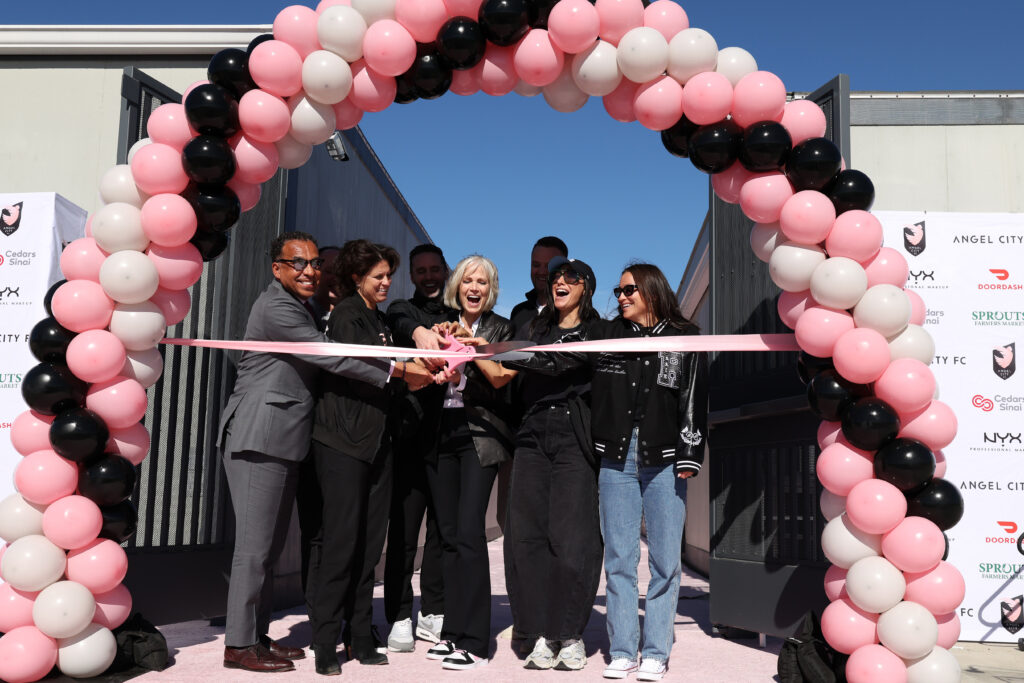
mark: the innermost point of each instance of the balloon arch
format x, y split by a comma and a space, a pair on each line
865, 357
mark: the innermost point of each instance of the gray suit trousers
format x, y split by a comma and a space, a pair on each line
262, 493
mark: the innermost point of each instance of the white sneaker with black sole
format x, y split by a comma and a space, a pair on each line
463, 660
620, 667
400, 639
445, 648
542, 656
572, 656
428, 627
651, 670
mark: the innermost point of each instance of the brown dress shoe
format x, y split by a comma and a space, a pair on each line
256, 658
282, 651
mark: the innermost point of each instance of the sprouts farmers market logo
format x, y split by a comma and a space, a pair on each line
998, 318
10, 380
1002, 571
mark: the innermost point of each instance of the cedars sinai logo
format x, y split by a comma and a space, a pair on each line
914, 239
10, 219
1004, 360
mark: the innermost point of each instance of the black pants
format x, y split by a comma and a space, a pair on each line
554, 534
356, 497
410, 498
309, 505
461, 487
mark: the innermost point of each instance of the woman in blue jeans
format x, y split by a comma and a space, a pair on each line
649, 423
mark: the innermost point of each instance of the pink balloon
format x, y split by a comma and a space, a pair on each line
72, 522
178, 267
829, 433
497, 70
371, 91
847, 627
861, 355
804, 120
95, 356
99, 566
173, 303
81, 260
915, 545
758, 96
763, 196
807, 217
619, 102
26, 655
939, 590
113, 607
43, 477
255, 162
875, 664
876, 506
917, 307
835, 582
168, 125
618, 17
463, 8
659, 103
934, 426
887, 267
465, 82
88, 226
537, 60
81, 305
296, 25
157, 168
388, 48
263, 116
168, 220
573, 25
324, 4
131, 443
348, 115
15, 607
907, 385
792, 305
30, 432
940, 464
949, 629
855, 234
819, 328
707, 98
422, 18
840, 468
248, 193
666, 17
727, 183
276, 67
120, 401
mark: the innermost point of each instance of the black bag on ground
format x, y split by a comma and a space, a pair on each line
139, 644
806, 657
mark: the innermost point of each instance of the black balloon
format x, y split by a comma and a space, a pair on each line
870, 423
539, 10
461, 41
119, 521
945, 553
106, 480
907, 464
210, 244
808, 366
78, 434
51, 389
677, 138
851, 190
430, 76
208, 160
766, 145
212, 110
404, 92
262, 38
940, 501
829, 395
48, 341
714, 148
504, 22
217, 207
813, 163
48, 298
230, 70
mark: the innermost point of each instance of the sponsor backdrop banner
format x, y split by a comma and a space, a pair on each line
34, 226
969, 269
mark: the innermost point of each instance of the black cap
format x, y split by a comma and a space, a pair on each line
582, 269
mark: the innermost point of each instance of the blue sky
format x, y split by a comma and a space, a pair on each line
490, 175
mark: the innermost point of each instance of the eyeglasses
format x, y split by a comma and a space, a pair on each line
299, 264
570, 277
628, 290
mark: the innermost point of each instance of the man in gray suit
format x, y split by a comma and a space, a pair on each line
265, 434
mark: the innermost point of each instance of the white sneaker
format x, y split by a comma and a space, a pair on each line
445, 648
463, 660
572, 656
428, 626
651, 670
542, 656
400, 639
620, 667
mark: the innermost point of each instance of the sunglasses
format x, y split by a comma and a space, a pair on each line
299, 264
628, 290
570, 277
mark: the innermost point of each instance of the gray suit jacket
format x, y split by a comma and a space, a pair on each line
271, 409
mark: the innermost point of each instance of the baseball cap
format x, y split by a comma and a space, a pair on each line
561, 263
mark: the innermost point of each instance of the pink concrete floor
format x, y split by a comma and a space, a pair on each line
197, 648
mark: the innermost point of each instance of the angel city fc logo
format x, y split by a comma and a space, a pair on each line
10, 219
1004, 360
914, 240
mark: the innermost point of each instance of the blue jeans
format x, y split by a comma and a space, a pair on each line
628, 492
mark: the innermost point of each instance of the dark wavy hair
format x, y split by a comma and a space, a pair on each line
278, 244
358, 257
657, 294
548, 317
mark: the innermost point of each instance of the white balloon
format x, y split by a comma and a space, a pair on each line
884, 308
734, 63
642, 54
791, 265
340, 29
292, 153
691, 52
145, 366
32, 563
312, 122
375, 10
139, 326
63, 609
563, 94
838, 282
129, 277
87, 654
118, 185
326, 77
764, 237
844, 544
139, 144
939, 666
909, 630
19, 517
875, 585
596, 70
832, 505
526, 90
117, 227
913, 342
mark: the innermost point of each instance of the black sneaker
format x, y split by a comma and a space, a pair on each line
463, 660
445, 648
